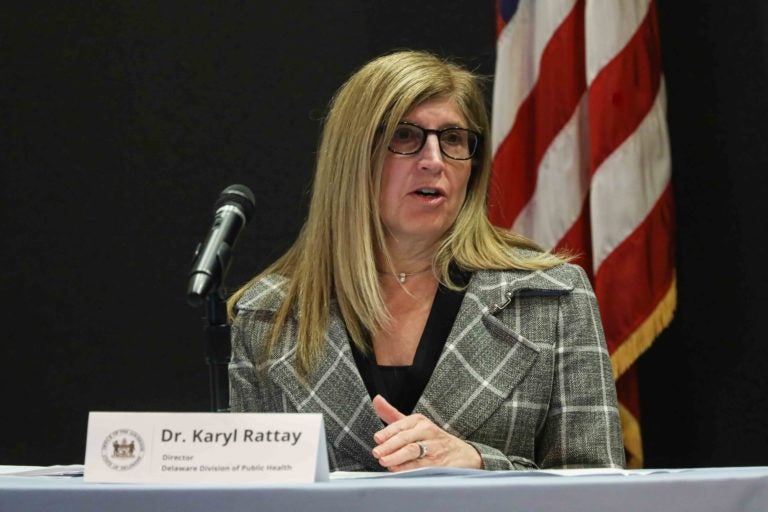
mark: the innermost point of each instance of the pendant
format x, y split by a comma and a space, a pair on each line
401, 277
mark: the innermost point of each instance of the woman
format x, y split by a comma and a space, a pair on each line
424, 335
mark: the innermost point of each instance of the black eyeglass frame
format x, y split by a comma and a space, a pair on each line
428, 131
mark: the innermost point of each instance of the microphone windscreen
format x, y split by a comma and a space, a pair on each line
240, 196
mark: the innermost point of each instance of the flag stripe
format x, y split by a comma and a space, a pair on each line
643, 264
543, 113
623, 91
577, 241
638, 172
516, 71
606, 40
550, 213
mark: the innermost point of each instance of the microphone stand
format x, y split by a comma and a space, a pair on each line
217, 350
211, 261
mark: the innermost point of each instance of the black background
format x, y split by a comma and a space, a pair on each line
122, 122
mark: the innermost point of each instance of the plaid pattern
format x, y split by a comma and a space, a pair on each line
524, 376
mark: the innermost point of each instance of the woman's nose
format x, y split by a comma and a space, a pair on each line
430, 156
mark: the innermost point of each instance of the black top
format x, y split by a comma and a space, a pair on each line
402, 386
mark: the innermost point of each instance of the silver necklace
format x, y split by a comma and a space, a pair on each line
402, 275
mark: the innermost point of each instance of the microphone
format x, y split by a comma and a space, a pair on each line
232, 211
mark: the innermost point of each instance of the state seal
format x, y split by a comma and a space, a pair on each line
122, 449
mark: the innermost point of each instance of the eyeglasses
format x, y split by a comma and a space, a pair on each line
455, 143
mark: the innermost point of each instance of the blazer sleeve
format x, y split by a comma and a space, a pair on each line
496, 460
582, 427
244, 389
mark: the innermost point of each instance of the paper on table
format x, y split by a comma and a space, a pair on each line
67, 470
480, 473
430, 471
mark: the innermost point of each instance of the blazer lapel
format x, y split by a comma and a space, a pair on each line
484, 358
335, 389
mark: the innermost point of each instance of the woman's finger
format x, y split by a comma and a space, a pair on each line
397, 421
386, 411
408, 454
403, 438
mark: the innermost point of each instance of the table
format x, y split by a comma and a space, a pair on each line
699, 490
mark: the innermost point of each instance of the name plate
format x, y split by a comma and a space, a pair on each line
218, 448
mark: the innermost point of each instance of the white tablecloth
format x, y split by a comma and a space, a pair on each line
695, 490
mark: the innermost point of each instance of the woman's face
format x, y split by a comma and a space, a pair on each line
421, 194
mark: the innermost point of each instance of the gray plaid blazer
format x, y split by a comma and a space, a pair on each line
524, 375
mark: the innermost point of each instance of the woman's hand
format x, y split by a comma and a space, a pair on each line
409, 442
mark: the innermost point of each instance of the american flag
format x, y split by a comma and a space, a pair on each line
582, 161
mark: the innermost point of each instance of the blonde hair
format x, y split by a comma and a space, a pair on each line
334, 256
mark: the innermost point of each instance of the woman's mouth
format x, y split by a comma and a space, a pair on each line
429, 195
